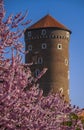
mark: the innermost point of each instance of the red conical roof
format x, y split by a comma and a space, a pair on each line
48, 21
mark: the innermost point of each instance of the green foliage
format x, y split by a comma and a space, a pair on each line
67, 123
73, 116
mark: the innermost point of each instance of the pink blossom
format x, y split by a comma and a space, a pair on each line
23, 107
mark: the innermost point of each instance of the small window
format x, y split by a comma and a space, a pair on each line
37, 71
53, 36
57, 37
29, 47
40, 60
66, 62
44, 46
29, 34
59, 46
43, 32
61, 90
67, 34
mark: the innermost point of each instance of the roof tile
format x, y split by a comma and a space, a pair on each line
48, 21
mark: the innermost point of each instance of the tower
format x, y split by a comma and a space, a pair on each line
48, 44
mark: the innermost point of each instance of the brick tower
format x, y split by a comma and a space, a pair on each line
48, 44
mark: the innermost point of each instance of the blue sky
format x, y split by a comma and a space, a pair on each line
71, 14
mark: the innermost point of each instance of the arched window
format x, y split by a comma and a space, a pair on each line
61, 90
40, 60
29, 33
37, 71
67, 34
60, 37
43, 32
66, 62
53, 36
59, 46
57, 37
44, 45
29, 47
